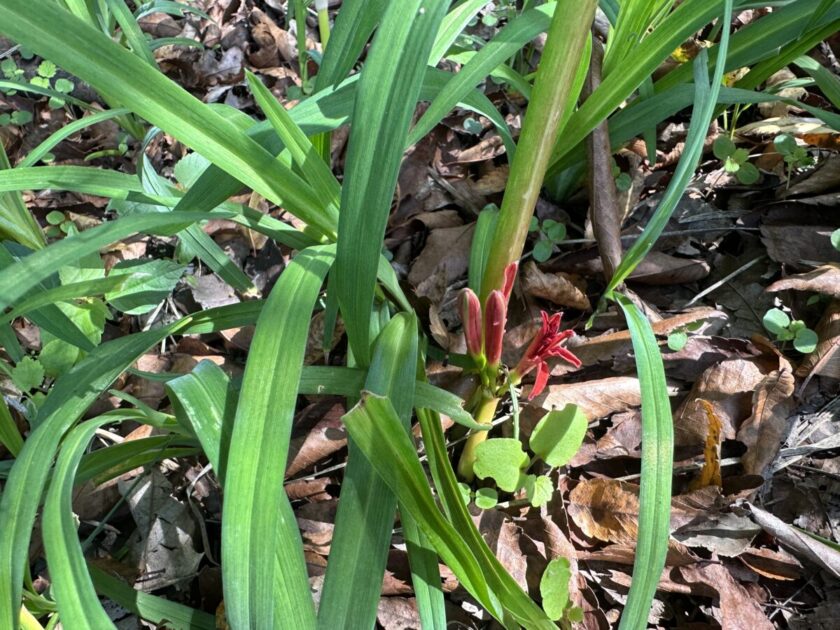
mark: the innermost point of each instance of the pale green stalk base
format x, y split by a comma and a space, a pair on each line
484, 415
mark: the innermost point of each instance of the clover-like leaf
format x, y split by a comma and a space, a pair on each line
835, 239
723, 147
776, 321
785, 144
542, 250
554, 230
554, 588
558, 436
486, 498
805, 340
748, 173
503, 460
46, 69
677, 340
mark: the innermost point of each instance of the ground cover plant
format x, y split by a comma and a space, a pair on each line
411, 314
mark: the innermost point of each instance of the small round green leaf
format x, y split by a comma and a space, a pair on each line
785, 144
555, 232
46, 69
723, 147
55, 217
677, 340
464, 489
486, 498
748, 173
776, 321
805, 341
554, 588
65, 86
542, 250
835, 239
558, 436
501, 459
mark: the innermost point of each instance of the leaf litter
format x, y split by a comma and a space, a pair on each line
755, 423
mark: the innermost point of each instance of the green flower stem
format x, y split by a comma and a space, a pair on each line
484, 414
567, 36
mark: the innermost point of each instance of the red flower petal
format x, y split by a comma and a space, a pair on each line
540, 381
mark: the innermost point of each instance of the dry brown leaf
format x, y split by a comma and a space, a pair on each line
502, 536
605, 347
559, 288
793, 244
776, 565
824, 178
798, 542
398, 613
764, 430
448, 248
736, 608
597, 399
324, 439
725, 534
606, 509
824, 279
728, 386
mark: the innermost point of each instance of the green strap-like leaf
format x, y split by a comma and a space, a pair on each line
705, 101
78, 604
657, 468
157, 610
44, 27
385, 101
205, 400
366, 506
255, 595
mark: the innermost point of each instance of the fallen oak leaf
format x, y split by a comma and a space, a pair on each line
559, 288
824, 279
763, 431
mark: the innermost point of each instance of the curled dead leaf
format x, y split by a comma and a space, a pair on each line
559, 288
824, 279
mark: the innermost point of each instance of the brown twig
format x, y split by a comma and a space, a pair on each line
603, 197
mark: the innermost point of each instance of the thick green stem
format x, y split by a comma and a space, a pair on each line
567, 36
484, 414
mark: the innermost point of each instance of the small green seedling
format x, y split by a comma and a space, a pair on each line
735, 160
779, 324
549, 234
46, 74
555, 440
623, 181
793, 155
554, 590
678, 337
18, 118
59, 224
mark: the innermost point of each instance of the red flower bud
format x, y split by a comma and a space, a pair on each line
471, 319
495, 317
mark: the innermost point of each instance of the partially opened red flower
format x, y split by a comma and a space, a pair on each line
546, 344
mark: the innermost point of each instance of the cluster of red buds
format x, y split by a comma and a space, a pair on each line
484, 335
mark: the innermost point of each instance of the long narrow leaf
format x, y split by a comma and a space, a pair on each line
366, 506
657, 468
78, 604
386, 97
264, 525
54, 33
